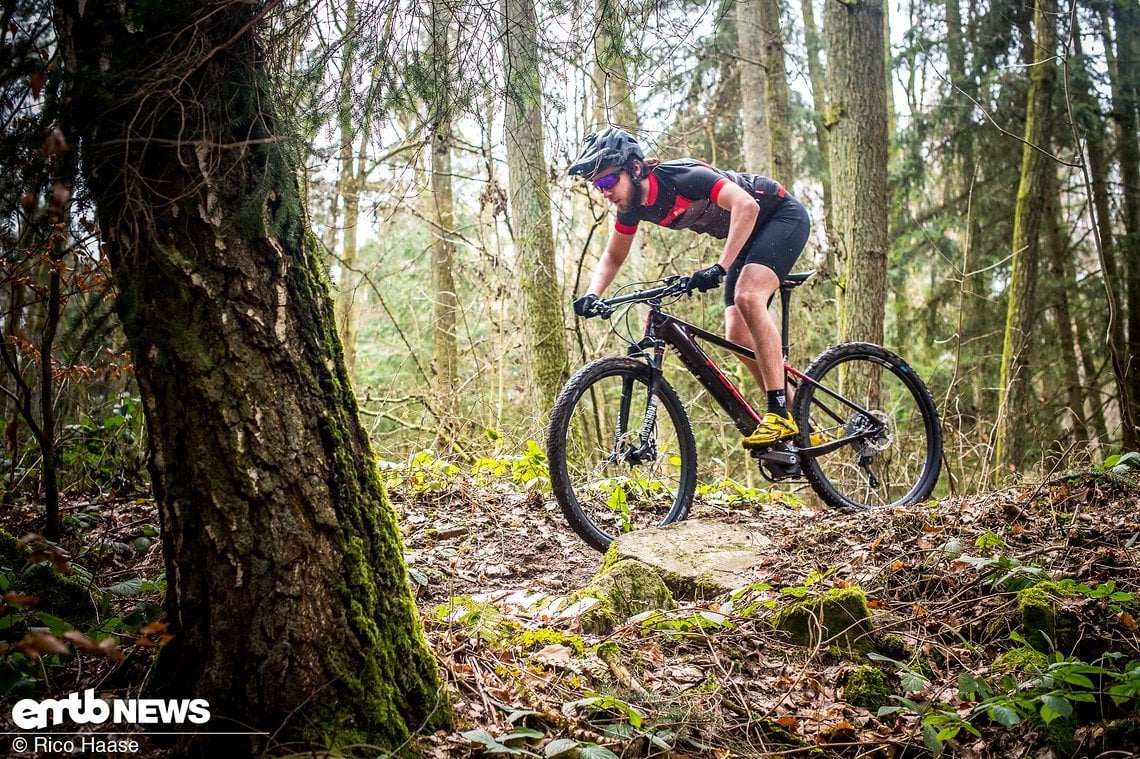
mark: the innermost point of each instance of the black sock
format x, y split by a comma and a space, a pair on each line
777, 402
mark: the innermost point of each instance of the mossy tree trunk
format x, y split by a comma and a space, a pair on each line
1021, 313
858, 111
287, 597
531, 227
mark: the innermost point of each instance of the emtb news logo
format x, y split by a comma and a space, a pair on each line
30, 714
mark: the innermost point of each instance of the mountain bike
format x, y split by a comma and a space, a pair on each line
620, 444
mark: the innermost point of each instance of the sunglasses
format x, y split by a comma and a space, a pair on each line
608, 182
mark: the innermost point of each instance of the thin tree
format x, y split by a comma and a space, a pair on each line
858, 126
445, 344
531, 227
1021, 313
750, 67
288, 603
777, 109
1124, 70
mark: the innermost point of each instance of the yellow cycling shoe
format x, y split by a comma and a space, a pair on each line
773, 427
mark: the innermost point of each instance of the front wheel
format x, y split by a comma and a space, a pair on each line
876, 424
621, 451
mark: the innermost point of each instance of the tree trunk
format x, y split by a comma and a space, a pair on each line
530, 204
857, 96
819, 107
1092, 126
1062, 282
777, 110
287, 601
1021, 314
445, 347
349, 190
750, 66
613, 98
1126, 113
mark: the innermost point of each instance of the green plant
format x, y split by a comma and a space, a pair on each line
422, 472
107, 453
1005, 572
1121, 463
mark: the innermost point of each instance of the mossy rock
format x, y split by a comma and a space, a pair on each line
57, 594
623, 589
839, 615
697, 559
867, 687
1045, 623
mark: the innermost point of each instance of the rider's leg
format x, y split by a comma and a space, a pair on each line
754, 291
736, 330
751, 283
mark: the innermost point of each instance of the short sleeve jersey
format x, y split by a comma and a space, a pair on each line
682, 195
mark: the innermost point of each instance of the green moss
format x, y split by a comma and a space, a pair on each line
890, 644
867, 687
1044, 622
544, 636
839, 615
60, 595
626, 588
1023, 659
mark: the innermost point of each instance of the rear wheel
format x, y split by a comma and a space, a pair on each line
893, 449
621, 453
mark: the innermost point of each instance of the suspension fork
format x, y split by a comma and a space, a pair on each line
652, 351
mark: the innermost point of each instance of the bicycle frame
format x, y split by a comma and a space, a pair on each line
662, 329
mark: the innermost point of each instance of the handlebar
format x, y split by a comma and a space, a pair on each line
674, 285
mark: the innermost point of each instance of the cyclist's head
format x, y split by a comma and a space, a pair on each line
604, 150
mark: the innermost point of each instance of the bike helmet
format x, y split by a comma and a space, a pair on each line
605, 149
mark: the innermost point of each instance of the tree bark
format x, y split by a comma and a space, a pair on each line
1062, 282
1021, 314
777, 110
613, 97
445, 346
287, 600
750, 66
858, 117
1125, 81
531, 227
1092, 125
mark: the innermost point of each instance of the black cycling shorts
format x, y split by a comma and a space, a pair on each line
776, 244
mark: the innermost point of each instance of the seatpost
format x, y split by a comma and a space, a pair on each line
785, 308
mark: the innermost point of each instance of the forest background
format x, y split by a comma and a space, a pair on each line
187, 178
992, 241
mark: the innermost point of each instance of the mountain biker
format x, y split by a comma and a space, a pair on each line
764, 231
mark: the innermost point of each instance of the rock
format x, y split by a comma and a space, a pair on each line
622, 590
697, 559
839, 614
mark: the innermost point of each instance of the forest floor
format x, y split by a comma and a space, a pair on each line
715, 678
493, 569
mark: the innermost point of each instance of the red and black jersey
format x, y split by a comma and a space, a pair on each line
682, 195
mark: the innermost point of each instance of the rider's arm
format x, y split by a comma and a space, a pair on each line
743, 211
617, 250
